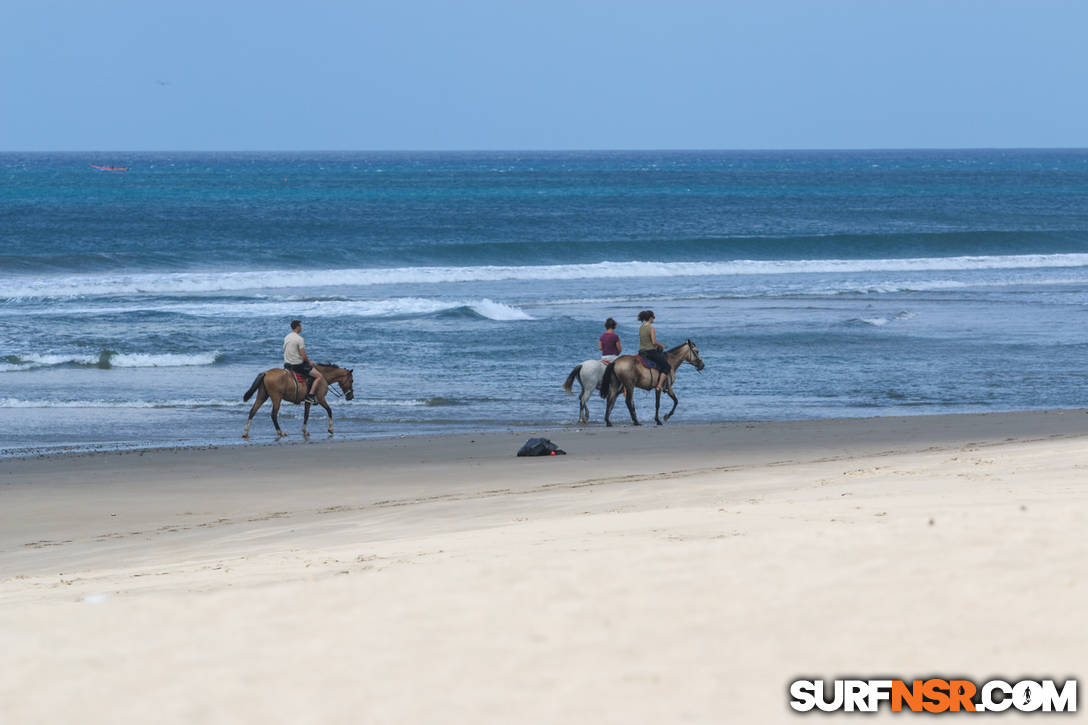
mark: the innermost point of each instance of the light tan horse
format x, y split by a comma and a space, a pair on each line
280, 385
627, 373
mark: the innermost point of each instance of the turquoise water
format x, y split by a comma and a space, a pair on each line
137, 306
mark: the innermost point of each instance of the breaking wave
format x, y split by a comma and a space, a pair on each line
882, 320
107, 359
390, 308
62, 286
233, 404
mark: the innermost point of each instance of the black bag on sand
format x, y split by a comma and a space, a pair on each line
540, 447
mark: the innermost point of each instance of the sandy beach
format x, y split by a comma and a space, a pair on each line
676, 574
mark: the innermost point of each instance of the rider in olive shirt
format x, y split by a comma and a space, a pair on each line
296, 360
650, 349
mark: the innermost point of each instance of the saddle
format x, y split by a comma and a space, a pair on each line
648, 363
298, 377
302, 382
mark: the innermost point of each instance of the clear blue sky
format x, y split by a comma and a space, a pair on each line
553, 74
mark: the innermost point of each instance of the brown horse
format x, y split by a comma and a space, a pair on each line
628, 373
281, 385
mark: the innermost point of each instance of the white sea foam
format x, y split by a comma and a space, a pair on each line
936, 285
396, 307
14, 287
187, 403
100, 403
147, 360
24, 362
108, 360
881, 321
499, 311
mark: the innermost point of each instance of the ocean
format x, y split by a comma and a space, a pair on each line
137, 306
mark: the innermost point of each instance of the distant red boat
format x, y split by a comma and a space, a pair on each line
110, 168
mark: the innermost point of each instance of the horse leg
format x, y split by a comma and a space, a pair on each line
583, 403
327, 410
275, 416
657, 407
580, 404
305, 420
612, 395
261, 397
630, 390
675, 402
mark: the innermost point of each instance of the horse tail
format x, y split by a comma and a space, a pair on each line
606, 381
257, 382
569, 385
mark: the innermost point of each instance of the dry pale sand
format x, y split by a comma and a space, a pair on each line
683, 574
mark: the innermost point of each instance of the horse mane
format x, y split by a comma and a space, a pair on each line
677, 347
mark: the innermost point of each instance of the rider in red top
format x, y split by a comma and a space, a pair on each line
609, 343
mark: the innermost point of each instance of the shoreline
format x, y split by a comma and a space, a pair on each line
318, 436
689, 569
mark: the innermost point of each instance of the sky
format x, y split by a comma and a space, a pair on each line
555, 74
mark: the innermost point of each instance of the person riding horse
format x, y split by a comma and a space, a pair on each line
650, 350
296, 360
609, 343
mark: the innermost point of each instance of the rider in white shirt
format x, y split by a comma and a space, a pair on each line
296, 360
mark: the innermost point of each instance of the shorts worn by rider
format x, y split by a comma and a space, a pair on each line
657, 357
303, 368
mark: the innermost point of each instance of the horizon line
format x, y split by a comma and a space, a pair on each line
546, 150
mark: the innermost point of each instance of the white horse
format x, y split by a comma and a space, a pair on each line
589, 374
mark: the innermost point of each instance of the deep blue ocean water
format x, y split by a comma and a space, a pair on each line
137, 306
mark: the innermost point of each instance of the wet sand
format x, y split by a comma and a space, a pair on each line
684, 573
